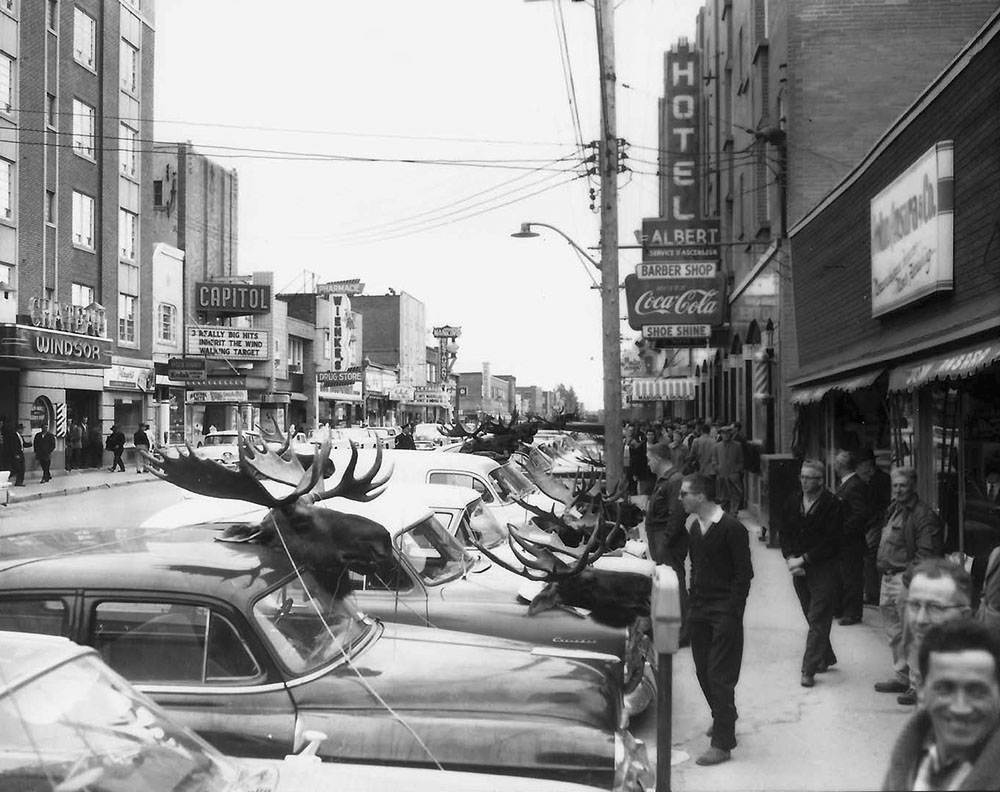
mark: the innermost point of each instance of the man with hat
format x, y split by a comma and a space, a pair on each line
729, 467
879, 497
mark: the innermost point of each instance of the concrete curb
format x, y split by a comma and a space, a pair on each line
12, 499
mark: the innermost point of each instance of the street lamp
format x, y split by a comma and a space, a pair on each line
614, 449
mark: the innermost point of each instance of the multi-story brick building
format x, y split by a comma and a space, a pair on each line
76, 319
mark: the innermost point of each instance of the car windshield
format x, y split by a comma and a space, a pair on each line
510, 482
228, 439
308, 627
80, 726
483, 525
433, 552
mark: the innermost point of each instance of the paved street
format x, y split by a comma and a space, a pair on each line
835, 736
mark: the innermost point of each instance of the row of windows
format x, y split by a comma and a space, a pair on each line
128, 305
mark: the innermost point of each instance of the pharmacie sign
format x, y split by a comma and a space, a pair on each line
232, 298
912, 232
675, 301
227, 342
128, 378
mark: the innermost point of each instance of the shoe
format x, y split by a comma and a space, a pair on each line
808, 680
20, 485
111, 470
824, 668
847, 621
892, 686
908, 698
713, 756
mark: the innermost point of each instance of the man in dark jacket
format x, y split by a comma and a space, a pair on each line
13, 452
853, 492
810, 532
141, 441
953, 742
879, 497
405, 439
666, 535
44, 444
720, 583
912, 532
116, 445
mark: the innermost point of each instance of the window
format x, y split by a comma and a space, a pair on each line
127, 309
84, 38
157, 192
52, 15
82, 295
50, 207
128, 228
171, 642
6, 82
127, 143
83, 220
327, 345
295, 354
83, 129
50, 110
462, 480
6, 273
44, 616
6, 180
168, 323
129, 67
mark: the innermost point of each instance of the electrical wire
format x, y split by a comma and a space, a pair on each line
570, 83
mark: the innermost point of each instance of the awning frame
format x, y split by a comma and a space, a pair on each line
803, 395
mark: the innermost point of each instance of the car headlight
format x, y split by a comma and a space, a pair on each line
632, 769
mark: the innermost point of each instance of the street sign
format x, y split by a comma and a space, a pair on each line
679, 331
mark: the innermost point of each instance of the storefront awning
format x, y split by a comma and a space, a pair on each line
341, 397
814, 393
662, 389
952, 365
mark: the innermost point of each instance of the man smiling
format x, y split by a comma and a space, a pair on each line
953, 742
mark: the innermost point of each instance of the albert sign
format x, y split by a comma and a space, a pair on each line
675, 301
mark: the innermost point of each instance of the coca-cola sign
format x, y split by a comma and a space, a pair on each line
698, 301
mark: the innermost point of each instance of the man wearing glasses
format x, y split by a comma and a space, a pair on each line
911, 533
720, 582
939, 591
811, 532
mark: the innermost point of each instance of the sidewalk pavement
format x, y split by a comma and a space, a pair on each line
835, 736
68, 483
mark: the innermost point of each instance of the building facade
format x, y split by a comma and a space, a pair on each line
76, 318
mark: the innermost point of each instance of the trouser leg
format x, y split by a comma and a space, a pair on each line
45, 463
725, 658
823, 584
889, 606
871, 577
852, 582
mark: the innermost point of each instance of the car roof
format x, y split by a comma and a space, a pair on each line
24, 656
176, 560
435, 460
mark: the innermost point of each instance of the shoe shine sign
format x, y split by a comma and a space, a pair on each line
677, 293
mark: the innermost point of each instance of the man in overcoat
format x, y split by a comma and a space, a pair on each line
853, 492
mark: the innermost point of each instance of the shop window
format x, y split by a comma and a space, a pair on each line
128, 416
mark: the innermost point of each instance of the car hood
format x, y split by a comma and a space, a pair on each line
419, 671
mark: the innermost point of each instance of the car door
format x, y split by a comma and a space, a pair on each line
390, 591
200, 660
41, 612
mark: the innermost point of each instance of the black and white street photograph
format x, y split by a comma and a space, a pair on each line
499, 395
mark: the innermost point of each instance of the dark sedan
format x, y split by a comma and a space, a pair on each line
250, 652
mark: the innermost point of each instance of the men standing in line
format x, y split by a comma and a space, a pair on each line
13, 451
666, 533
953, 742
95, 446
703, 451
44, 444
938, 590
879, 496
810, 532
141, 441
853, 492
720, 583
729, 460
912, 532
74, 445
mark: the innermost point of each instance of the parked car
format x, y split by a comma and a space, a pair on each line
70, 722
386, 435
428, 436
249, 651
223, 447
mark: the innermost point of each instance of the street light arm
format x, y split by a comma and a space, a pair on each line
526, 231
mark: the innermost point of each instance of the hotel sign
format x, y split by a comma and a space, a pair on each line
232, 298
24, 343
912, 232
227, 342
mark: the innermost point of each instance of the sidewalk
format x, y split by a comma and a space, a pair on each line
835, 736
63, 483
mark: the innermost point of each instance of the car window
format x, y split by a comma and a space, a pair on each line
447, 519
46, 616
435, 554
170, 642
480, 523
387, 575
466, 480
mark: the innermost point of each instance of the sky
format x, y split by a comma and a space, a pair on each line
282, 92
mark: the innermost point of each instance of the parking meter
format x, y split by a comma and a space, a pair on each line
665, 610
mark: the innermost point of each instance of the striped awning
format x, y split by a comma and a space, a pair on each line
952, 365
662, 389
814, 393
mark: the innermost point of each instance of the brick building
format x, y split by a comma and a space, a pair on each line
76, 319
897, 299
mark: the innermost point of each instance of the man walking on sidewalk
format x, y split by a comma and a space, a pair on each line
666, 534
44, 444
810, 532
13, 452
912, 532
720, 583
116, 445
853, 493
141, 441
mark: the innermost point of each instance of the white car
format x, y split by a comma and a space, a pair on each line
387, 435
428, 436
223, 447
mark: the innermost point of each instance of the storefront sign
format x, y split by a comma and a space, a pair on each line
676, 270
402, 393
447, 331
179, 369
681, 331
348, 287
227, 342
674, 240
912, 232
339, 377
21, 343
90, 320
232, 298
954, 365
215, 396
674, 301
432, 395
681, 122
127, 378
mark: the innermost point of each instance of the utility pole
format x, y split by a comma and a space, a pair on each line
610, 322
